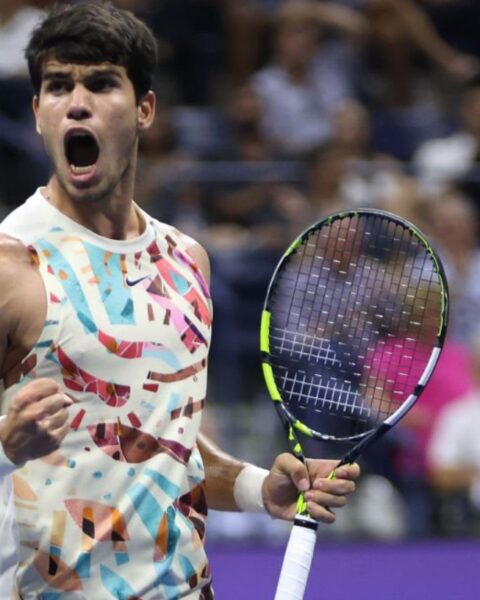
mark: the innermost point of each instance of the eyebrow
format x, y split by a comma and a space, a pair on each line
99, 72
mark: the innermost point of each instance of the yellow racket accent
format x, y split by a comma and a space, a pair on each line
264, 329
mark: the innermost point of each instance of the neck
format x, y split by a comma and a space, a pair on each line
115, 217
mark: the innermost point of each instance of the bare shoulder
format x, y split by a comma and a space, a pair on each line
197, 251
13, 254
16, 273
21, 293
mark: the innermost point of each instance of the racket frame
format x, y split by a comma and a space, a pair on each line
295, 568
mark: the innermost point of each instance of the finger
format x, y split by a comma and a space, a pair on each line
334, 486
35, 391
324, 468
54, 421
320, 513
68, 400
351, 472
289, 465
325, 500
59, 433
51, 405
52, 438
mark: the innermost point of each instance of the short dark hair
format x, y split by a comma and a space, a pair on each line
92, 33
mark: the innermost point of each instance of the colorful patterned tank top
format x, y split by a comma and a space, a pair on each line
119, 510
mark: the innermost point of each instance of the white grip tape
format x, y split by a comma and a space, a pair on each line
296, 563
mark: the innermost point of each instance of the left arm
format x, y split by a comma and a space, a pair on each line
234, 485
275, 491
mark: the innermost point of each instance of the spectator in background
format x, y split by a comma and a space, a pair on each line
347, 172
454, 227
21, 155
17, 19
456, 21
452, 376
439, 162
403, 53
191, 47
247, 27
454, 453
161, 159
400, 31
242, 133
307, 76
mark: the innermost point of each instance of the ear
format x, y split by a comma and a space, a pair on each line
35, 106
146, 110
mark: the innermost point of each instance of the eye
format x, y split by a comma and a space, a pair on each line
56, 86
102, 84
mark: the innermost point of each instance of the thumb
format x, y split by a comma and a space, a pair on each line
294, 469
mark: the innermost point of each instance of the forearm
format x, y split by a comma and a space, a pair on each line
422, 31
342, 19
225, 489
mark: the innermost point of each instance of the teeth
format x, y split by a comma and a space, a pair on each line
80, 170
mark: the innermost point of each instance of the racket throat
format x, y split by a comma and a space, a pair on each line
355, 452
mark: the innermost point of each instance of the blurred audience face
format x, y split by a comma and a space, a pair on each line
351, 127
455, 224
470, 111
245, 107
296, 43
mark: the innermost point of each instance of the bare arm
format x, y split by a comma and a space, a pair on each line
328, 15
221, 470
35, 420
277, 489
424, 35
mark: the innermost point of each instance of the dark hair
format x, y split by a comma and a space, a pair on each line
92, 33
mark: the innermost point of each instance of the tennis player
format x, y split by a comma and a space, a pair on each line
104, 337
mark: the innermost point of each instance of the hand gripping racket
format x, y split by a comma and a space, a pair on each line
352, 328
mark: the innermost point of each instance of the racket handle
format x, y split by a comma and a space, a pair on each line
297, 560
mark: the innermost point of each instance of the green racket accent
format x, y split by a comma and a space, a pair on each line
264, 331
301, 507
270, 382
299, 426
291, 249
333, 474
295, 444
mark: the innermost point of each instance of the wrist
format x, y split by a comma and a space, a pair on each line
7, 465
248, 489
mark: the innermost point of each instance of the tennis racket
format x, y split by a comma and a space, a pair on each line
352, 327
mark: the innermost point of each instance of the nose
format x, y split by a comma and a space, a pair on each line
79, 108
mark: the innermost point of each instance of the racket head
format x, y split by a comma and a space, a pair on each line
353, 324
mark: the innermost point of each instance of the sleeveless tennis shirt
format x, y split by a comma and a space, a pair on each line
119, 510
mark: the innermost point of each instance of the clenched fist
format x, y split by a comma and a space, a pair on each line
36, 421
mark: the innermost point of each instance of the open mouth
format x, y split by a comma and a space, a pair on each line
81, 150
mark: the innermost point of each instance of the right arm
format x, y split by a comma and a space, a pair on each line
35, 422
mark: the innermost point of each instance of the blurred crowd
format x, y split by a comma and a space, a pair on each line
271, 115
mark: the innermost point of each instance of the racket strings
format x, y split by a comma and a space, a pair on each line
355, 334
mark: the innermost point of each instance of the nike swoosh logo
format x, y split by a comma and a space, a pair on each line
133, 282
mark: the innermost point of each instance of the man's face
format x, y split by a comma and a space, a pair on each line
89, 120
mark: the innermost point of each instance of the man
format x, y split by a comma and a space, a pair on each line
105, 328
